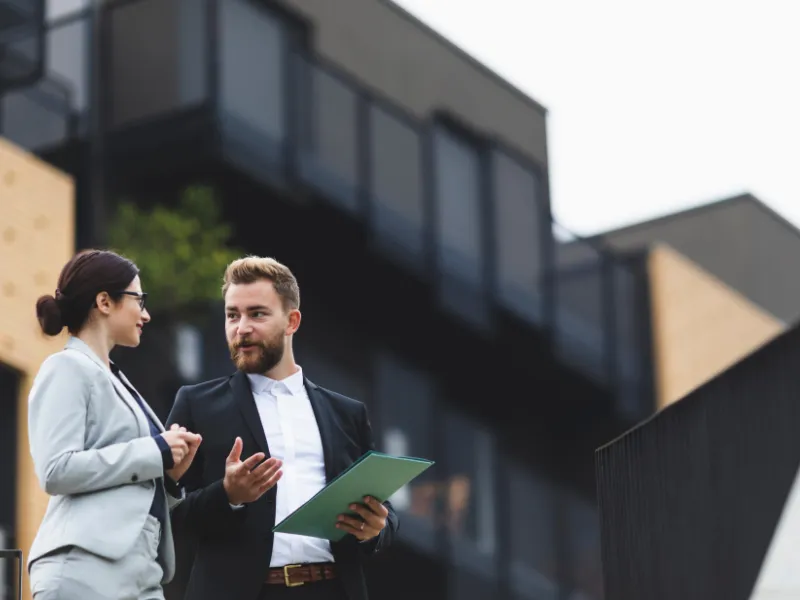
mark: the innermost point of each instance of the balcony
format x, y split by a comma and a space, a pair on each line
188, 82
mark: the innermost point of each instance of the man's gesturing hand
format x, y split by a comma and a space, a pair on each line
246, 481
373, 519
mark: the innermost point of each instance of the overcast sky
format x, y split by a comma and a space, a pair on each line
653, 106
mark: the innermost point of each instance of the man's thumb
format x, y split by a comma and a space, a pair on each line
236, 451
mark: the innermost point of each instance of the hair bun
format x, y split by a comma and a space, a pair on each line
48, 312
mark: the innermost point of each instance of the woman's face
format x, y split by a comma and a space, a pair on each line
127, 316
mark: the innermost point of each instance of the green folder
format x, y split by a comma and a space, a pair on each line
374, 474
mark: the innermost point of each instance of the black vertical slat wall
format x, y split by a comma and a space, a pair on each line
689, 499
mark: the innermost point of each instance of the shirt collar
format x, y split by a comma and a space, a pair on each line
290, 385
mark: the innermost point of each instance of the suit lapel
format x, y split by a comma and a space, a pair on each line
145, 405
243, 397
125, 395
326, 423
79, 345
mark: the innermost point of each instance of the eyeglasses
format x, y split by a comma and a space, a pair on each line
142, 296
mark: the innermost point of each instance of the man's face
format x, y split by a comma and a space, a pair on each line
256, 326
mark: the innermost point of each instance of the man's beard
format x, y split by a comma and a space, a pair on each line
265, 356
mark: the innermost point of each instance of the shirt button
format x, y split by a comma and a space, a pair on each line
135, 478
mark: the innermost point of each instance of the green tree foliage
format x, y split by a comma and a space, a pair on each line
182, 252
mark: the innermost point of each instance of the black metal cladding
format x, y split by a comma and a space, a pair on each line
690, 499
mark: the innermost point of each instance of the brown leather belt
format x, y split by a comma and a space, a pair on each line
294, 575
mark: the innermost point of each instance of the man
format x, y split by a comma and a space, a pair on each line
271, 440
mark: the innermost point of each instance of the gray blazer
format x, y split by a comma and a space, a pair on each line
95, 457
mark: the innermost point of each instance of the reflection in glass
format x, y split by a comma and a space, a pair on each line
67, 56
518, 236
630, 359
405, 397
470, 494
584, 550
580, 333
35, 117
252, 100
459, 219
57, 9
397, 209
328, 134
458, 207
534, 566
158, 58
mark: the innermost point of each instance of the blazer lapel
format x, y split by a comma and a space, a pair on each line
79, 345
125, 395
326, 423
243, 396
146, 406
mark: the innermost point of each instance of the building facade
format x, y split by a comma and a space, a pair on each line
407, 187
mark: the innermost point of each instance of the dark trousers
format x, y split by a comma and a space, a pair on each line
330, 589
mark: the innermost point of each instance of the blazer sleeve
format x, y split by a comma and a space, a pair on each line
57, 413
205, 508
386, 537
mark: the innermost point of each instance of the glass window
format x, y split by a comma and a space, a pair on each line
580, 307
21, 44
531, 504
518, 236
470, 500
397, 206
67, 59
631, 360
405, 397
189, 351
459, 226
56, 9
35, 117
253, 50
329, 134
584, 550
458, 207
163, 73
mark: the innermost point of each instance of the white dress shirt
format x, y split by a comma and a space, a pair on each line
293, 437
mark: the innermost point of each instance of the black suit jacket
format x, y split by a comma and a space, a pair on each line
234, 547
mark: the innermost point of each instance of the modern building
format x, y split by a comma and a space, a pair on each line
407, 187
721, 282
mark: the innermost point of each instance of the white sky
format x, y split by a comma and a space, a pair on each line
653, 106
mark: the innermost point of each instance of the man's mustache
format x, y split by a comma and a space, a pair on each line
247, 342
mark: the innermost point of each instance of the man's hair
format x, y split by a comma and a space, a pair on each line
255, 268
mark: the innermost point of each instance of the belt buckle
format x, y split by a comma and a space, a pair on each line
286, 576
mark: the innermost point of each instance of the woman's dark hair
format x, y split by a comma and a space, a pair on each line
87, 274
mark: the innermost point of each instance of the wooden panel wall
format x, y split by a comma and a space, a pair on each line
37, 225
700, 325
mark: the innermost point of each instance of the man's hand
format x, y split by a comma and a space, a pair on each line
373, 519
193, 443
246, 481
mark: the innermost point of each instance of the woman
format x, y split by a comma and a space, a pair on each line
98, 449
